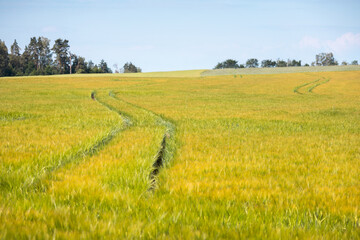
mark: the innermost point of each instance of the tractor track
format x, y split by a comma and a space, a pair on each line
318, 84
165, 153
312, 87
167, 146
35, 183
296, 89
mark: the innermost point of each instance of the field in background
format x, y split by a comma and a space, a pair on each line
277, 70
243, 156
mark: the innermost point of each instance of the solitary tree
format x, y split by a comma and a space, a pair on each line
355, 62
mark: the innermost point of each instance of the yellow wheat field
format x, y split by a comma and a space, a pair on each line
242, 156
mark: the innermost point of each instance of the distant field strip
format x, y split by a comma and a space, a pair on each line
277, 70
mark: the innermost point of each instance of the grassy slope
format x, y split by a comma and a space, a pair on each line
245, 71
253, 157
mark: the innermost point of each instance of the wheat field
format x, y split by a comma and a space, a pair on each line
180, 155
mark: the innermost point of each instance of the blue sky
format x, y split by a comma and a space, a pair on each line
161, 35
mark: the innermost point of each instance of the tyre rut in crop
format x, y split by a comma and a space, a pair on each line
296, 89
318, 84
311, 86
36, 182
167, 146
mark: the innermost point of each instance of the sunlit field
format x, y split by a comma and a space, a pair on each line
271, 70
181, 155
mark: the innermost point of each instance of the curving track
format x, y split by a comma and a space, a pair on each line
167, 146
37, 182
311, 86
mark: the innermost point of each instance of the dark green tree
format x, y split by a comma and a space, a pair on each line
229, 63
45, 54
15, 59
37, 57
91, 65
28, 61
74, 61
294, 63
34, 52
94, 68
61, 50
130, 68
104, 67
281, 63
252, 63
80, 65
4, 60
268, 63
220, 65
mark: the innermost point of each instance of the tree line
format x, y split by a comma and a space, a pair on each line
321, 59
38, 58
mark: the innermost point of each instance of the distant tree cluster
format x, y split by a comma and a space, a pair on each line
39, 59
254, 63
321, 59
230, 63
325, 59
130, 68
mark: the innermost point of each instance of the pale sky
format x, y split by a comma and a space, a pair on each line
163, 35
